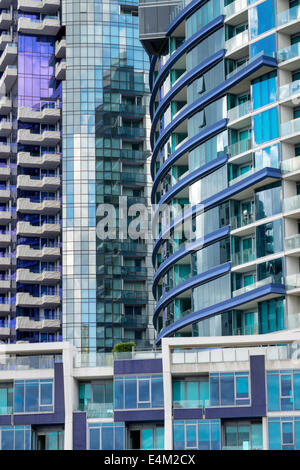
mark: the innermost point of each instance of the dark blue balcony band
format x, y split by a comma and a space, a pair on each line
184, 13
208, 98
187, 146
190, 284
183, 49
188, 179
217, 199
187, 250
185, 81
153, 61
217, 309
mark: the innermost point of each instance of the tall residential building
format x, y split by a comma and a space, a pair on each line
225, 140
106, 282
30, 171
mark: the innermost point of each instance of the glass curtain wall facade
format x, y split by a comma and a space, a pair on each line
30, 172
105, 150
225, 144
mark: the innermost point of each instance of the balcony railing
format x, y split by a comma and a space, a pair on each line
290, 89
239, 111
98, 410
290, 127
29, 362
292, 242
241, 146
292, 282
288, 53
235, 7
256, 285
287, 16
245, 256
290, 165
237, 41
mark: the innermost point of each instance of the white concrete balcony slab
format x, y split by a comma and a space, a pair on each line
48, 160
4, 195
26, 324
4, 332
4, 172
4, 150
8, 78
45, 116
26, 300
45, 207
5, 105
5, 217
47, 183
60, 49
45, 277
5, 285
5, 127
5, 262
5, 240
8, 56
4, 308
5, 20
44, 254
5, 38
26, 229
47, 27
45, 138
39, 6
60, 70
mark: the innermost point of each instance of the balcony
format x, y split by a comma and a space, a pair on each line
8, 78
8, 56
26, 300
5, 105
289, 57
290, 130
133, 178
289, 92
45, 277
47, 160
133, 272
134, 155
292, 283
4, 309
287, 20
26, 324
5, 172
60, 70
5, 333
48, 26
240, 113
45, 138
44, 207
50, 114
291, 168
39, 6
5, 20
129, 296
130, 321
237, 46
292, 243
5, 284
5, 217
131, 132
5, 262
256, 285
5, 241
26, 229
5, 38
291, 206
240, 147
47, 183
5, 127
43, 254
4, 150
98, 410
60, 49
4, 195
243, 257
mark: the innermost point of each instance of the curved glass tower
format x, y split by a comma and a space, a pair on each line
225, 142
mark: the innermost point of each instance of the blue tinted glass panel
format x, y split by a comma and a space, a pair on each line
130, 393
94, 439
157, 392
227, 389
179, 441
203, 437
107, 438
273, 392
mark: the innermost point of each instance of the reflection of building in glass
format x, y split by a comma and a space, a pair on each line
106, 283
